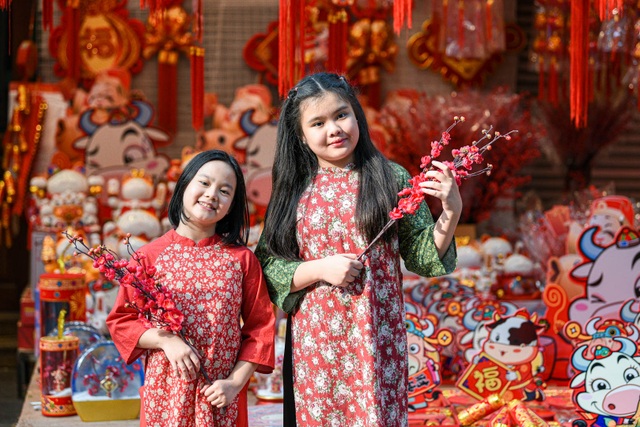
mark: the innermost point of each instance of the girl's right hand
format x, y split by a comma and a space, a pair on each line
184, 361
340, 270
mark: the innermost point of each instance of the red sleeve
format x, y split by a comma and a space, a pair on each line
125, 328
123, 323
258, 329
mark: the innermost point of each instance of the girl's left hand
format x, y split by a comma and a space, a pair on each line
221, 393
443, 186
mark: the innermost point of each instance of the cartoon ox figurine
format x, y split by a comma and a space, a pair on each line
123, 143
611, 273
611, 384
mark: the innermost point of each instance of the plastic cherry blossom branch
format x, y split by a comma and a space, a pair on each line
151, 300
464, 159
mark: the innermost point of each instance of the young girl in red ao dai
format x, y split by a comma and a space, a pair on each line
217, 283
346, 352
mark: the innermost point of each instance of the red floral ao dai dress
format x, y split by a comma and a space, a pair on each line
349, 345
213, 285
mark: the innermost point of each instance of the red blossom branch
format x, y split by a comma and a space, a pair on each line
151, 300
462, 165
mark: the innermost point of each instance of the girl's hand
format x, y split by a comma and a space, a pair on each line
182, 358
443, 186
340, 270
221, 393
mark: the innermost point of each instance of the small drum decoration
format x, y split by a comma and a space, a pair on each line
61, 291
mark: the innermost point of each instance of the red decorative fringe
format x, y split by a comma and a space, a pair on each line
47, 15
5, 4
197, 87
168, 91
401, 13
290, 43
73, 39
338, 30
579, 59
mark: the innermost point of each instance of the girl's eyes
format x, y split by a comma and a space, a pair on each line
338, 117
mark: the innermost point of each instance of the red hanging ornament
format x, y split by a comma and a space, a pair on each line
73, 39
47, 15
167, 36
579, 59
337, 49
197, 87
168, 90
291, 26
401, 13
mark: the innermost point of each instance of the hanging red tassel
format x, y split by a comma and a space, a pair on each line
73, 39
5, 4
197, 87
290, 43
47, 14
338, 29
579, 59
168, 91
401, 13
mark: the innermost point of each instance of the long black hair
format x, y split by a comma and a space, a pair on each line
234, 227
295, 166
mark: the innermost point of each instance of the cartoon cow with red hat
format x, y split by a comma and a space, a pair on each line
611, 275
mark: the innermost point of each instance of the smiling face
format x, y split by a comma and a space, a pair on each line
207, 199
330, 129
